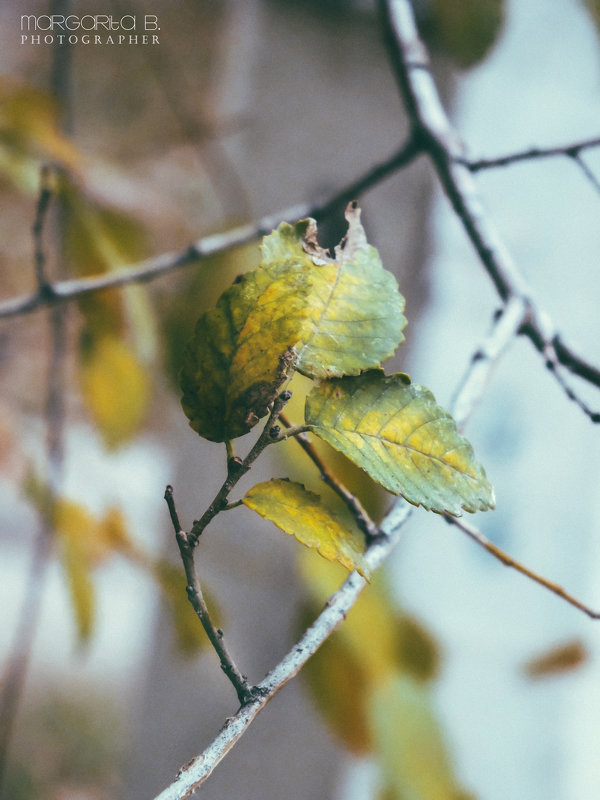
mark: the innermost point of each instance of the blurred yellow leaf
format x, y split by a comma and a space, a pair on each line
80, 548
85, 541
409, 744
115, 389
77, 571
30, 135
295, 510
374, 644
418, 652
338, 680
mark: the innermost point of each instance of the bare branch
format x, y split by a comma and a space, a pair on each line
572, 150
43, 203
584, 167
508, 322
508, 561
198, 770
194, 590
151, 269
18, 661
432, 129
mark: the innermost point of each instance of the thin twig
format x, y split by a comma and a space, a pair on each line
484, 359
194, 590
365, 523
572, 150
508, 561
589, 174
43, 203
149, 270
187, 542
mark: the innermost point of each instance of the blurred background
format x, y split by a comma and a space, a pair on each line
243, 109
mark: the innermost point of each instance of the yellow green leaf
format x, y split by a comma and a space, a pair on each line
115, 389
79, 548
468, 29
354, 308
398, 434
410, 747
301, 309
297, 511
242, 351
193, 292
78, 573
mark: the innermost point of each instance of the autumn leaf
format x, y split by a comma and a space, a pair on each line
466, 31
559, 659
301, 309
30, 135
303, 514
242, 351
339, 682
355, 318
397, 433
115, 389
409, 744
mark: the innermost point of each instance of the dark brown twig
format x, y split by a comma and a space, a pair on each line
236, 468
572, 150
194, 590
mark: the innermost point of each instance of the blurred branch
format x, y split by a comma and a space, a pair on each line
149, 270
508, 561
16, 670
433, 131
43, 203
